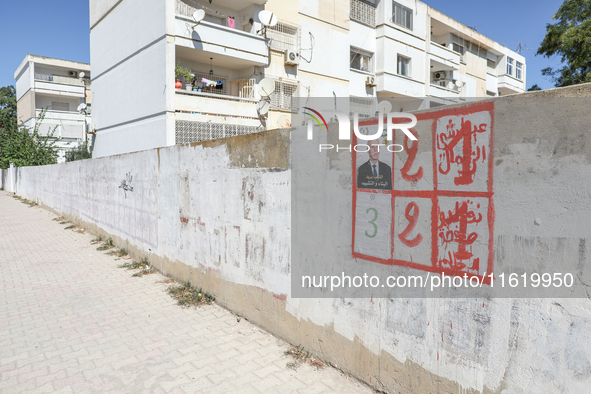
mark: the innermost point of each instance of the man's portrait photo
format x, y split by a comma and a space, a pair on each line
374, 174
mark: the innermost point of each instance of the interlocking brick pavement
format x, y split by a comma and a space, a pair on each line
71, 321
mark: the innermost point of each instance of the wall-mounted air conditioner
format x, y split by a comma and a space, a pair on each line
292, 58
73, 74
439, 75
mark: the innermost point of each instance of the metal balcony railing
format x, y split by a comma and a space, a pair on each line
363, 11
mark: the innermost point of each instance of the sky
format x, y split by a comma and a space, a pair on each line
60, 29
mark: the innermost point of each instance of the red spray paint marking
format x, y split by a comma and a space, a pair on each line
412, 154
184, 220
412, 222
466, 167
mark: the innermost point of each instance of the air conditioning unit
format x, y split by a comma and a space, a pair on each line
292, 57
73, 74
370, 82
439, 75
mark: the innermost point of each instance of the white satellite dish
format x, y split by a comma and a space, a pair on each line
81, 75
459, 84
385, 107
81, 107
267, 18
263, 107
198, 16
266, 87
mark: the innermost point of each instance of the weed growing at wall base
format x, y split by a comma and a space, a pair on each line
187, 295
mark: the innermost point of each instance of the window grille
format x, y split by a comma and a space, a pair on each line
284, 36
364, 12
364, 107
188, 131
212, 77
285, 96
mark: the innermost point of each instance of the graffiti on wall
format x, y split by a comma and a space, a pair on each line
126, 184
429, 207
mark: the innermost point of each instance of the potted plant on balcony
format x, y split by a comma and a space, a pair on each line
189, 76
178, 73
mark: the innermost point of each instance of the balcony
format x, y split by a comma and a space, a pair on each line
443, 89
445, 58
510, 85
67, 124
59, 85
363, 11
216, 37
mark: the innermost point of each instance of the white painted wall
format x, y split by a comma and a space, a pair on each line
23, 82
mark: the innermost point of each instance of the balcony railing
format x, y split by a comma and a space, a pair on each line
59, 79
188, 131
363, 11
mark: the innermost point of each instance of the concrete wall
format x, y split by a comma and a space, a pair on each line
218, 214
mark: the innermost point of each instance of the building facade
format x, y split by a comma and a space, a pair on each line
54, 89
366, 50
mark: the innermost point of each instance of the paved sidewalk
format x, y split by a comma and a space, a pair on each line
71, 321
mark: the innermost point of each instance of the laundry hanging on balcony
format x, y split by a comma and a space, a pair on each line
214, 84
231, 22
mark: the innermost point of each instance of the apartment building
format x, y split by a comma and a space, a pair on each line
366, 50
57, 87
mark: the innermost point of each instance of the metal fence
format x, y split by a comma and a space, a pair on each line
284, 36
363, 11
189, 131
286, 95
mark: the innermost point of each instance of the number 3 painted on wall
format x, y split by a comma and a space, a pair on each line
412, 222
375, 228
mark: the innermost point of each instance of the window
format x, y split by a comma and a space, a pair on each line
509, 66
491, 63
361, 60
401, 15
403, 66
518, 68
285, 96
458, 48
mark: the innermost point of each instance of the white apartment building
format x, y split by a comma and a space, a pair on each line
59, 87
366, 50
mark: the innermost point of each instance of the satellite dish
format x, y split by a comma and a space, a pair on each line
198, 15
263, 107
385, 107
81, 75
266, 87
459, 84
81, 107
267, 18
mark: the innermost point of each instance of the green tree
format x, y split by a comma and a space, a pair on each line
7, 106
570, 38
80, 152
534, 87
18, 144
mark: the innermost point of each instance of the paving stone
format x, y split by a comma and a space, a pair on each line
75, 322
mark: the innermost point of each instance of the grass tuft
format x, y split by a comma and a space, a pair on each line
70, 226
187, 296
134, 265
108, 244
146, 271
96, 240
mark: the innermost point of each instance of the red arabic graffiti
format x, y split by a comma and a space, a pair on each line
412, 154
453, 228
469, 157
412, 222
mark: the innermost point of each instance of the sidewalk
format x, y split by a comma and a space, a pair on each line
71, 321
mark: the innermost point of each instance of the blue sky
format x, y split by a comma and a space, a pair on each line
59, 29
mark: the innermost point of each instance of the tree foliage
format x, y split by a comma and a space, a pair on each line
7, 106
18, 144
534, 88
570, 38
80, 152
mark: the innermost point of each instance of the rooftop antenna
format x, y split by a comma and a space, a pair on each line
521, 47
474, 27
